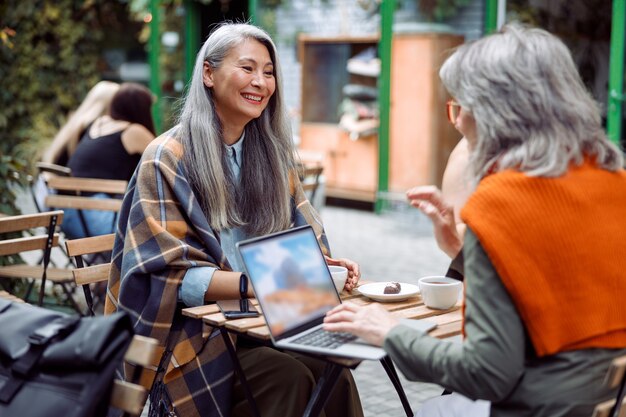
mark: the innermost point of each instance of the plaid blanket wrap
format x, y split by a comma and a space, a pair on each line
162, 232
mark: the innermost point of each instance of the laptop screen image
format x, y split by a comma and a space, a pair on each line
290, 278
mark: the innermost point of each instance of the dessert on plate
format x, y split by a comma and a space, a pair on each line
392, 288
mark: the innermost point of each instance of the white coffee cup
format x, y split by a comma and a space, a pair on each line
439, 292
340, 275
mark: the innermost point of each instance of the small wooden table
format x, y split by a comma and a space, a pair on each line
448, 324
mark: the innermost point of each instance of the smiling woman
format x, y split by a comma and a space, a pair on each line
225, 173
242, 86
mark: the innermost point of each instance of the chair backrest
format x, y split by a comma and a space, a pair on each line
143, 352
42, 241
310, 179
72, 193
615, 377
54, 169
78, 194
26, 222
39, 185
85, 275
130, 397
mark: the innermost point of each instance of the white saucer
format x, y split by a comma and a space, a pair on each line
375, 291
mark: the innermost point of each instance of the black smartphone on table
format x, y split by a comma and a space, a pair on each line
237, 309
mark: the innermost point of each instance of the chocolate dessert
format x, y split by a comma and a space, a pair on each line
392, 288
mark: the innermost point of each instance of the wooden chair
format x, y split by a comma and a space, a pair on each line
18, 226
143, 352
39, 185
615, 377
54, 169
75, 193
310, 179
130, 397
86, 275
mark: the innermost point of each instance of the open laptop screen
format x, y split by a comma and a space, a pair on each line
290, 278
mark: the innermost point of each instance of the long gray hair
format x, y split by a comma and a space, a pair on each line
532, 110
261, 203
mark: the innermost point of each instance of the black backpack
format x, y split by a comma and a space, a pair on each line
54, 364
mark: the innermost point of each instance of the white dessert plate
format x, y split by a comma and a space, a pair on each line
375, 291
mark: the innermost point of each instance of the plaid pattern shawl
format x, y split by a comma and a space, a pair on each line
162, 232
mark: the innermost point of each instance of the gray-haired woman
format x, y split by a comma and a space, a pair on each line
224, 173
544, 247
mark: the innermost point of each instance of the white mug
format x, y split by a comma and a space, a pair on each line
439, 292
340, 275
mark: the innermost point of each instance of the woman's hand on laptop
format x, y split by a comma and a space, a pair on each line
354, 272
371, 323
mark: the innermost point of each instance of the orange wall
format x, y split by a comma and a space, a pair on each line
420, 138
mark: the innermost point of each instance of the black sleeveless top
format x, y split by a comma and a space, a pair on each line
103, 157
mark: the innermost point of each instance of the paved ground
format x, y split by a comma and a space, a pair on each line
395, 245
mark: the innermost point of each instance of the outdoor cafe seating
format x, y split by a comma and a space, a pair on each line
448, 325
34, 232
131, 397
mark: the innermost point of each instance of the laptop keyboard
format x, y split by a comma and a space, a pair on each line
322, 338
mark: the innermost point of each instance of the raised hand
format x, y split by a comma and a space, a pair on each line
429, 200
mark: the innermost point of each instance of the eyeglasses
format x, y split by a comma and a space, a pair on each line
452, 109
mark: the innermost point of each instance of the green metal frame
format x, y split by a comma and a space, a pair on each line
616, 73
252, 10
491, 16
384, 92
154, 51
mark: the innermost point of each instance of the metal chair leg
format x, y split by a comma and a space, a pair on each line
322, 390
239, 371
615, 412
29, 290
395, 380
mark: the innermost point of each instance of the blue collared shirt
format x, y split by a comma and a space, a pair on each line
197, 280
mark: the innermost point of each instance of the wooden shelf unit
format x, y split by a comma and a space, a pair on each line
350, 166
420, 138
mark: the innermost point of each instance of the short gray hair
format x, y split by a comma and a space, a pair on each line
532, 110
262, 202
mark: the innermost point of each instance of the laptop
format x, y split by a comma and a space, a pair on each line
295, 290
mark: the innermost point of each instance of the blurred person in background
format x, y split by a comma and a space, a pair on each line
95, 104
111, 148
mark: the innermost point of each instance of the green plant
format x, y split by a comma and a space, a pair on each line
49, 59
10, 179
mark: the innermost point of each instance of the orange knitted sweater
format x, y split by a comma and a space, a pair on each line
559, 246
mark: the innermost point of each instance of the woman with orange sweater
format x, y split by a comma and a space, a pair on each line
544, 250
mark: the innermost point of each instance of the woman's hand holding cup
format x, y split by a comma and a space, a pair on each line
354, 272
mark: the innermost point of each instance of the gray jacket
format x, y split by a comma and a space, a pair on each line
496, 361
